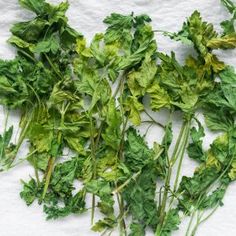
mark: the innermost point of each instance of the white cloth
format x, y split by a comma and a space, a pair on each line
16, 219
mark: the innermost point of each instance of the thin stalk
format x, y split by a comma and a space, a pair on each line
48, 176
190, 223
36, 170
182, 151
121, 207
5, 129
119, 197
197, 223
27, 55
24, 159
177, 149
153, 120
21, 139
98, 136
94, 165
53, 67
52, 159
177, 197
120, 87
121, 147
163, 203
203, 220
133, 177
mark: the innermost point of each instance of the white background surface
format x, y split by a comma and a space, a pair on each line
86, 16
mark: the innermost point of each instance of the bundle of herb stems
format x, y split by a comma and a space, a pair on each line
89, 99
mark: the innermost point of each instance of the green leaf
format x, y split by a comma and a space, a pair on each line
119, 29
6, 86
39, 160
6, 149
195, 149
30, 191
137, 229
229, 5
140, 200
68, 37
106, 223
230, 97
145, 75
112, 134
232, 173
228, 26
182, 35
99, 187
29, 31
213, 199
228, 76
159, 97
75, 143
137, 153
36, 6
204, 38
18, 42
40, 137
201, 180
56, 14
102, 189
48, 45
168, 136
171, 223
218, 121
102, 93
63, 177
74, 204
135, 108
225, 42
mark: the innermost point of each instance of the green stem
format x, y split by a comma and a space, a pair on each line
52, 159
24, 159
5, 129
203, 220
182, 151
190, 223
122, 224
21, 138
94, 165
53, 67
93, 208
119, 197
163, 203
119, 85
178, 149
133, 177
27, 55
36, 170
153, 120
48, 176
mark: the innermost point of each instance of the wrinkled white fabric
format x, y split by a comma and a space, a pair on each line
86, 16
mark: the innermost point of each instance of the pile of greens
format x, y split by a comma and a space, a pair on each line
88, 101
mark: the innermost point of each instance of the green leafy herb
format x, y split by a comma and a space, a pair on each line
81, 106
